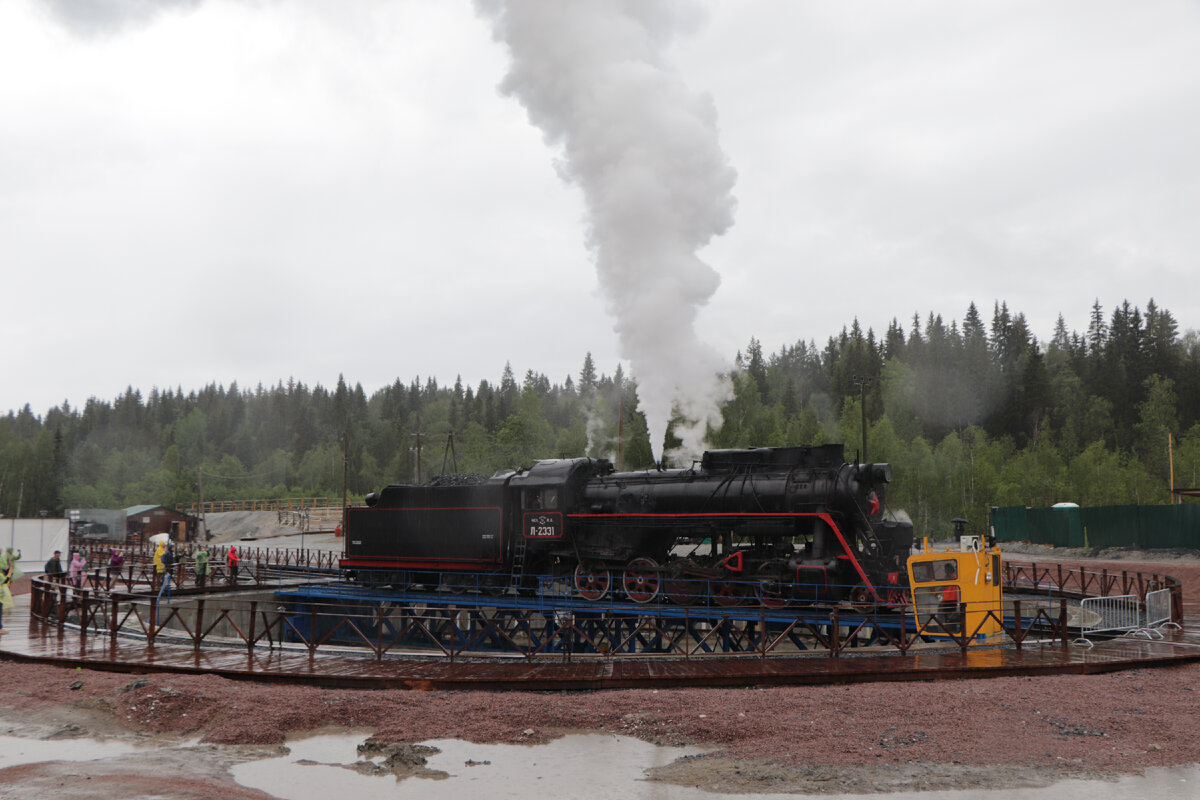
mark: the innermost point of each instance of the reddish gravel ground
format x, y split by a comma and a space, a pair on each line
867, 737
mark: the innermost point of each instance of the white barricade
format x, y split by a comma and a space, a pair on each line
1120, 613
1158, 608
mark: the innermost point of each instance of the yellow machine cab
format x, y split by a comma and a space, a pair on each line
958, 590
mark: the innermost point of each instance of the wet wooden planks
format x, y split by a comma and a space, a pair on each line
30, 640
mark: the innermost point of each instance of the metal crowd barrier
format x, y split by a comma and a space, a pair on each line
1126, 614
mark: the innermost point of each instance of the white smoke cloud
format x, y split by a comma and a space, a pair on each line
644, 150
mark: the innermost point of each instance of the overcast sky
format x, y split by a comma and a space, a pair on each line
211, 191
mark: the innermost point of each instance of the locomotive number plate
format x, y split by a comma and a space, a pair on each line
543, 525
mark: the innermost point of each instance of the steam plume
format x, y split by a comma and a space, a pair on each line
657, 186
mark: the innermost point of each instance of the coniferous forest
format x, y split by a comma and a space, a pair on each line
971, 414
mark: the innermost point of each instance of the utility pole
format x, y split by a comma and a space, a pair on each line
1171, 461
200, 502
862, 382
418, 436
450, 452
345, 474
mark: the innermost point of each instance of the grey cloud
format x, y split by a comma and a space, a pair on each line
108, 17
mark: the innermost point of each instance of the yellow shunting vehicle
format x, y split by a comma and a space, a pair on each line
958, 591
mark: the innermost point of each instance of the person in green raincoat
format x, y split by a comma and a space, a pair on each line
13, 557
201, 566
8, 565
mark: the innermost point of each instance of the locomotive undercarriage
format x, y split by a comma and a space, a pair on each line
721, 569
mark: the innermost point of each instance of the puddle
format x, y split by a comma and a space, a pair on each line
15, 750
590, 766
571, 767
579, 766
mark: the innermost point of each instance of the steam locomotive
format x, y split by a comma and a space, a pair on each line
770, 524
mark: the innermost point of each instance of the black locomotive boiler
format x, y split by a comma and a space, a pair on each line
772, 524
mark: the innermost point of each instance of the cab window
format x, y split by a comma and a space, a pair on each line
945, 569
541, 499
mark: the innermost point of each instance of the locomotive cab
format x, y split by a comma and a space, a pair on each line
958, 592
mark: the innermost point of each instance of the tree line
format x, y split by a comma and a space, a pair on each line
970, 414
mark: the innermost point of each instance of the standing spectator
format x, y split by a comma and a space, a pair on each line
54, 567
201, 567
159, 549
168, 568
231, 560
116, 560
13, 557
76, 569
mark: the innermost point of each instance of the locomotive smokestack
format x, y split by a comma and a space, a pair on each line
643, 149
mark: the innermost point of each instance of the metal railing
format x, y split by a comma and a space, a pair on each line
459, 630
442, 620
1079, 582
449, 624
273, 504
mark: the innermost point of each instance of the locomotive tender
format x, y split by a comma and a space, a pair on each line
775, 524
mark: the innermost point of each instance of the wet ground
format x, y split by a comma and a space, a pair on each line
1025, 738
574, 766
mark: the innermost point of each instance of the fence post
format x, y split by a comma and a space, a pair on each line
1062, 623
253, 618
62, 605
84, 595
1020, 637
198, 635
150, 634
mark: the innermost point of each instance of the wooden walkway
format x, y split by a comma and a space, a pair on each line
29, 639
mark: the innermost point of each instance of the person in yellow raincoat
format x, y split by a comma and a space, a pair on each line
159, 549
8, 566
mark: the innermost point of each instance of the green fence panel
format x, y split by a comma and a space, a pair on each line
1189, 519
1141, 527
1009, 523
1112, 526
1170, 527
1157, 527
1060, 527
